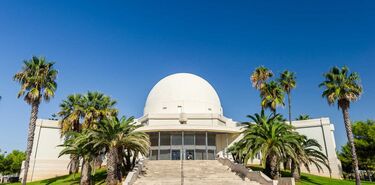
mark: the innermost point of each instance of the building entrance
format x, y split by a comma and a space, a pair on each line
184, 145
176, 154
189, 154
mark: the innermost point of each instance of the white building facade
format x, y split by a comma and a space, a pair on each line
185, 121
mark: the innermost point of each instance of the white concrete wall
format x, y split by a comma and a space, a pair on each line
44, 162
323, 131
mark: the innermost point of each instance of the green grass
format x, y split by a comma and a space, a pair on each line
100, 175
99, 178
308, 179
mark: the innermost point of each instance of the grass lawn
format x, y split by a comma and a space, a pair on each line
307, 179
99, 178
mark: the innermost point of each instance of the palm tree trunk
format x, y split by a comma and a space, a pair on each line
86, 173
119, 164
128, 161
290, 108
271, 169
295, 170
135, 156
30, 138
349, 133
112, 167
74, 164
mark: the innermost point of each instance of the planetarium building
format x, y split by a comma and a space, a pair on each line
184, 119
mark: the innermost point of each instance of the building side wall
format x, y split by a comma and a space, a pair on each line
44, 162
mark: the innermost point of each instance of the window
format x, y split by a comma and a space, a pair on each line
154, 139
211, 138
177, 138
188, 138
211, 154
165, 155
200, 154
154, 154
165, 139
200, 138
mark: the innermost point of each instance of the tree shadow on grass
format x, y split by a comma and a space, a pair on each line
98, 178
307, 179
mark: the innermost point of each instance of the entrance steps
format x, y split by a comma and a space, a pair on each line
194, 172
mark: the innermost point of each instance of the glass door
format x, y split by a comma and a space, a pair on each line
189, 154
176, 154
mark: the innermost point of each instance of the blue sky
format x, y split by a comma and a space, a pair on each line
124, 48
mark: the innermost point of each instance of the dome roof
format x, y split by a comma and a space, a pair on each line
182, 93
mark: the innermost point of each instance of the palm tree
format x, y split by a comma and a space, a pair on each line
272, 96
342, 87
271, 137
287, 81
80, 112
311, 154
114, 133
71, 112
97, 106
237, 151
79, 144
259, 77
303, 117
37, 80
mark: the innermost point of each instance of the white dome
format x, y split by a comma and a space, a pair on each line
182, 93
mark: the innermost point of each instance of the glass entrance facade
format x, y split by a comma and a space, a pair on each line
182, 145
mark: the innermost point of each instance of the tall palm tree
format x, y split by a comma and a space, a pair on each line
272, 96
79, 144
71, 112
38, 82
271, 137
303, 117
80, 112
114, 133
97, 106
259, 76
342, 87
288, 82
310, 155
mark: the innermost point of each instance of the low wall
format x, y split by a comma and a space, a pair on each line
133, 175
257, 176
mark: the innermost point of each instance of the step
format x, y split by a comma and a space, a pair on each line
208, 172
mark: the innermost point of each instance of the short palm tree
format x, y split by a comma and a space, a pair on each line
38, 82
303, 117
238, 152
272, 96
311, 154
288, 82
114, 133
273, 139
342, 87
79, 144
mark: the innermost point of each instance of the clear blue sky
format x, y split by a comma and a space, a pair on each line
123, 49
